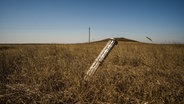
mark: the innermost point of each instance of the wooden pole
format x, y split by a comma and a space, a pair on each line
98, 61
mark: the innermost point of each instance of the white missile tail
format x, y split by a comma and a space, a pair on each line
98, 61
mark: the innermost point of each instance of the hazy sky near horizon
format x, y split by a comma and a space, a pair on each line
67, 21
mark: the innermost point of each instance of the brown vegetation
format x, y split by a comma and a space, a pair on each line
132, 73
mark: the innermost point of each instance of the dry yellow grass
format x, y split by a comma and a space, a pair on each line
133, 72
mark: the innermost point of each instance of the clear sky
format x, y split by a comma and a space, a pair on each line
67, 21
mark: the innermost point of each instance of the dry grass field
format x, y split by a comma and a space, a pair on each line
133, 73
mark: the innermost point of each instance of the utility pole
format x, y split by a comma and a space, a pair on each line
89, 35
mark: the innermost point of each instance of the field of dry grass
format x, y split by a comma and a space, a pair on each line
133, 73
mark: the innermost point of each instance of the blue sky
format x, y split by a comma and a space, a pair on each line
67, 21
